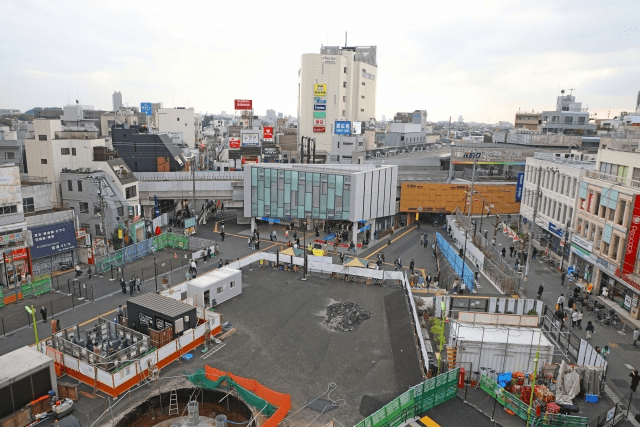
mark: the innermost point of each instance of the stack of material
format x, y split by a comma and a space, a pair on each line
346, 316
567, 384
591, 377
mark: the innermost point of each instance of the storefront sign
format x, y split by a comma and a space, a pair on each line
519, 186
319, 100
53, 239
319, 107
267, 133
626, 279
342, 128
356, 128
318, 122
319, 128
627, 302
243, 104
555, 229
632, 239
234, 143
582, 242
320, 115
329, 59
10, 238
250, 140
583, 253
320, 90
504, 156
17, 255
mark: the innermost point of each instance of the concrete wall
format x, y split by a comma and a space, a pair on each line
41, 193
178, 120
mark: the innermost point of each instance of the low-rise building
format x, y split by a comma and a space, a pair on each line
143, 151
568, 118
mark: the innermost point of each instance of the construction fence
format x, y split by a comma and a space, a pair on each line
415, 401
460, 268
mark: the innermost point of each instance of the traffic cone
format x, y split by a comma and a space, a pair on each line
215, 228
175, 255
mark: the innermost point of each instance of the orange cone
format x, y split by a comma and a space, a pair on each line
175, 255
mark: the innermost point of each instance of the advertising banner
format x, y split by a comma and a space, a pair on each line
319, 128
356, 128
519, 186
243, 104
318, 122
320, 115
319, 107
250, 140
52, 239
145, 107
343, 128
555, 229
319, 100
632, 239
320, 90
234, 143
267, 133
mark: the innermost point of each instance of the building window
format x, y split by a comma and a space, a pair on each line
84, 207
363, 84
70, 185
5, 210
27, 205
9, 155
362, 96
581, 120
98, 231
344, 84
219, 290
362, 110
178, 119
344, 99
130, 192
232, 284
42, 137
65, 151
79, 185
344, 113
345, 70
43, 161
568, 119
73, 151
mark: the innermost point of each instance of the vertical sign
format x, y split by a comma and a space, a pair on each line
146, 108
267, 133
632, 239
519, 186
320, 90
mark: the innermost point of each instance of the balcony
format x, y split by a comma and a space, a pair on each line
613, 178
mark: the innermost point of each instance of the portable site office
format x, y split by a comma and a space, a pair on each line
501, 348
159, 312
217, 285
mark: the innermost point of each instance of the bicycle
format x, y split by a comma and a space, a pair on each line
611, 320
600, 313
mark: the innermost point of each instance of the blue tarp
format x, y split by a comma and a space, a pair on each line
456, 262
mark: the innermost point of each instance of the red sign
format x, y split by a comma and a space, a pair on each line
243, 104
318, 122
267, 133
632, 240
234, 142
17, 255
251, 159
319, 128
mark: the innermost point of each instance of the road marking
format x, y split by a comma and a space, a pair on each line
614, 345
629, 366
384, 246
621, 333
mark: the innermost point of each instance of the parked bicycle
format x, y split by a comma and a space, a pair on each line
611, 319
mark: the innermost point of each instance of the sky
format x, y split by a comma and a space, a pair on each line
484, 60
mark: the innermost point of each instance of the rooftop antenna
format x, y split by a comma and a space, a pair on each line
571, 92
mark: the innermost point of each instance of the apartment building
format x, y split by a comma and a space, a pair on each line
568, 118
528, 121
559, 175
607, 227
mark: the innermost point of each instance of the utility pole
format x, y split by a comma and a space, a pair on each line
473, 178
567, 241
302, 149
102, 214
193, 179
533, 224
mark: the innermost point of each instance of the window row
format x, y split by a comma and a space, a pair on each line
552, 181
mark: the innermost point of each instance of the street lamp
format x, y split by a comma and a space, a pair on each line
32, 311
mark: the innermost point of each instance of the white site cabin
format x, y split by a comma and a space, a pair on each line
220, 285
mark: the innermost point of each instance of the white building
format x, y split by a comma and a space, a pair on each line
116, 99
560, 175
178, 120
271, 116
339, 83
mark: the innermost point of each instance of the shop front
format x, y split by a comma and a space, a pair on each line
16, 262
52, 244
582, 259
620, 288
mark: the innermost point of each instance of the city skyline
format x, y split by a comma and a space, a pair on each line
482, 61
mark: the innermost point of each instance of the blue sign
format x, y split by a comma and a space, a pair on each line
343, 128
555, 230
519, 186
330, 236
365, 228
524, 220
145, 107
53, 239
274, 220
319, 100
320, 107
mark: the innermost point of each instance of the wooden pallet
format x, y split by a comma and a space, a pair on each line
227, 334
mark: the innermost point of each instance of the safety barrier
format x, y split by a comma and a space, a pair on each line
521, 409
415, 401
456, 262
39, 285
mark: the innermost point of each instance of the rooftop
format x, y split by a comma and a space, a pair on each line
22, 361
213, 276
335, 169
162, 304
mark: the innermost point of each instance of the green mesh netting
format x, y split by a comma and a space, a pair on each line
199, 378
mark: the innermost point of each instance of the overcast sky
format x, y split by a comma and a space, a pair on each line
479, 59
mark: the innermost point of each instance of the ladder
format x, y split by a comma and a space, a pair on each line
173, 403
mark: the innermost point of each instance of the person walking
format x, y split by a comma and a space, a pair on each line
43, 312
383, 256
562, 277
222, 235
194, 269
560, 302
412, 264
89, 272
396, 263
540, 290
605, 352
511, 248
119, 314
590, 329
138, 284
429, 279
477, 271
635, 379
580, 319
426, 242
249, 242
574, 319
123, 285
504, 252
78, 271
421, 239
187, 275
636, 336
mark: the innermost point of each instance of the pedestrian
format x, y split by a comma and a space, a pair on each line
590, 329
636, 336
426, 243
249, 242
635, 379
412, 264
504, 252
138, 284
493, 241
119, 314
605, 352
123, 285
208, 253
540, 290
383, 256
580, 313
517, 264
560, 302
559, 315
574, 319
222, 235
395, 263
132, 285
194, 269
421, 239
511, 248
461, 252
89, 272
78, 271
429, 280
217, 251
562, 276
43, 312
477, 271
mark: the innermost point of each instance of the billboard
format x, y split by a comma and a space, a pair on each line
319, 107
319, 128
343, 128
52, 239
267, 133
444, 198
145, 107
632, 239
356, 128
320, 90
318, 122
250, 140
319, 100
519, 186
234, 142
320, 114
243, 104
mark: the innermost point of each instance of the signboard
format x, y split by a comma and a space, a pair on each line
583, 253
250, 140
319, 107
319, 128
267, 133
627, 302
243, 104
320, 90
52, 239
320, 115
519, 186
343, 128
146, 108
145, 319
329, 59
190, 222
17, 254
555, 229
10, 238
582, 242
234, 143
504, 156
632, 239
273, 220
319, 100
356, 128
318, 122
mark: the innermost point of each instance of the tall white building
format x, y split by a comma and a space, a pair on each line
271, 116
116, 98
178, 120
338, 84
